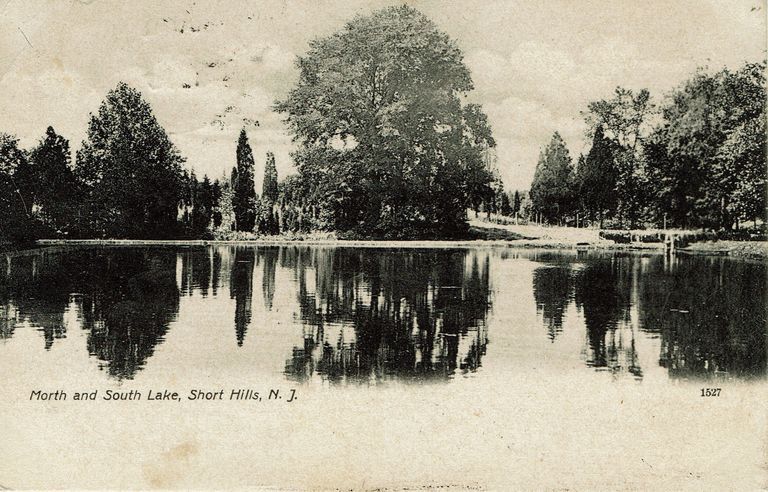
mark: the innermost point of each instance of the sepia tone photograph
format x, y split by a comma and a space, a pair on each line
383, 245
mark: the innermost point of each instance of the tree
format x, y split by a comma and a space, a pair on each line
269, 186
48, 184
505, 208
268, 220
387, 147
244, 200
551, 189
709, 152
226, 212
743, 156
516, 203
15, 214
216, 204
624, 119
199, 206
130, 169
597, 177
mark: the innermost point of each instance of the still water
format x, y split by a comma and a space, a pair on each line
351, 316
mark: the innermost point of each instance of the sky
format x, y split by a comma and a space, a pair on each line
535, 64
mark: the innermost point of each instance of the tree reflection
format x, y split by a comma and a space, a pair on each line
125, 298
711, 316
378, 314
128, 313
36, 289
241, 289
270, 257
602, 294
553, 291
368, 314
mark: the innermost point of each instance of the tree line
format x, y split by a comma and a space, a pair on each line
127, 181
387, 148
697, 160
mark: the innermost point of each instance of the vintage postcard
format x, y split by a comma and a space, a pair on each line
383, 245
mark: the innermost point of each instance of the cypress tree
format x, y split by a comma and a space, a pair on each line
244, 200
269, 187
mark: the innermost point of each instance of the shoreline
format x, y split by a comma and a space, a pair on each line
356, 243
734, 249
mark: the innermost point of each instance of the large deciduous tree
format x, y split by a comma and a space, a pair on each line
131, 170
388, 148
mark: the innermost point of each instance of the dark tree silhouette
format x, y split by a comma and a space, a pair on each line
130, 169
244, 199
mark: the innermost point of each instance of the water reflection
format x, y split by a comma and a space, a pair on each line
124, 298
708, 324
709, 313
553, 291
367, 315
412, 315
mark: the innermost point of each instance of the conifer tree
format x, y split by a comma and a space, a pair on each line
244, 200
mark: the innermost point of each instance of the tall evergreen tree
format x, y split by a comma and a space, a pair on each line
244, 199
552, 188
516, 203
131, 170
216, 204
597, 177
505, 208
268, 215
269, 187
202, 210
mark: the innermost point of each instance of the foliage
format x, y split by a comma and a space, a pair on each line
701, 164
709, 154
597, 177
48, 184
268, 216
388, 149
201, 200
244, 199
624, 121
269, 186
516, 203
15, 214
130, 170
552, 188
505, 208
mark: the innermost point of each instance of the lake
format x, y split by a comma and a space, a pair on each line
549, 355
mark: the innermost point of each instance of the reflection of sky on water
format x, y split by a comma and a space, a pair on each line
342, 315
